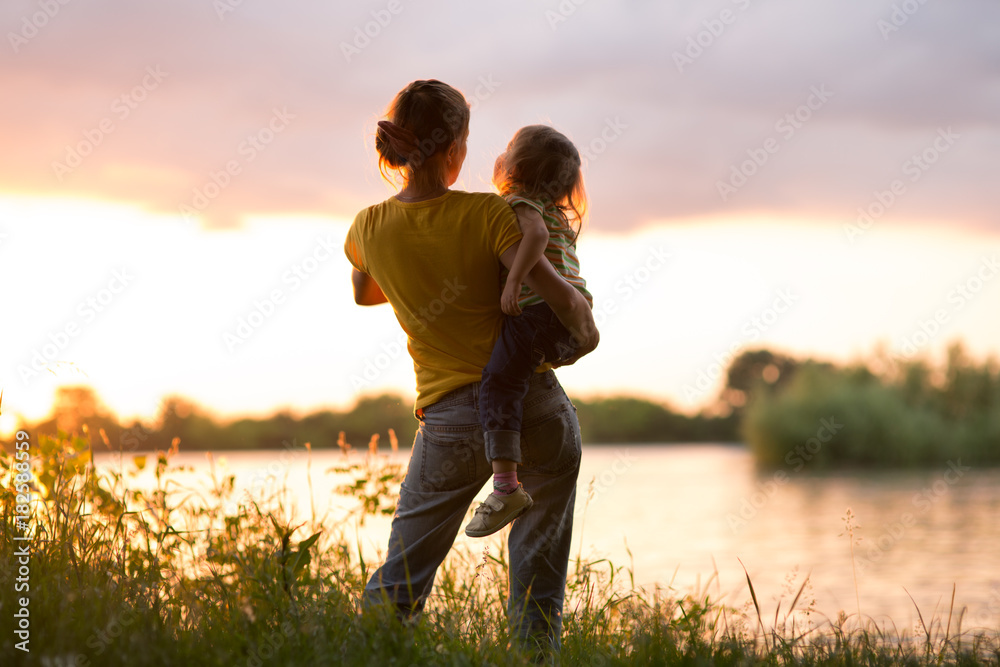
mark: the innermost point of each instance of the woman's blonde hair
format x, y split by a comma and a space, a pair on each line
542, 164
435, 115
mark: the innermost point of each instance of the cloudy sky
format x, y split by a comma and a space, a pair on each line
826, 169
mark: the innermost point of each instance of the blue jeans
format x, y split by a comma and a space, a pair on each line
525, 341
448, 468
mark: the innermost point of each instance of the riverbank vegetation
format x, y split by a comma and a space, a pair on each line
602, 420
880, 411
182, 576
886, 412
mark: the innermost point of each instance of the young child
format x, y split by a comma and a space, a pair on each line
539, 175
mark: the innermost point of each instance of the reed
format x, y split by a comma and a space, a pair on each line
199, 576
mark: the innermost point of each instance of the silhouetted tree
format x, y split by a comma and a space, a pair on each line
751, 372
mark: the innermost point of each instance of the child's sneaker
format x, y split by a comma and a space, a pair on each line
497, 511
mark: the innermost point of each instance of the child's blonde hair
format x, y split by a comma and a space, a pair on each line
436, 115
542, 164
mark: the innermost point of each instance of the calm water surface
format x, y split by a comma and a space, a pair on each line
688, 512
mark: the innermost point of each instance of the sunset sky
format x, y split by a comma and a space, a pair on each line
814, 177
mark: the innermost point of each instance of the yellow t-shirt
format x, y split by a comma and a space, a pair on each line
438, 263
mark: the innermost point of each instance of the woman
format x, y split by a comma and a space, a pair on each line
435, 254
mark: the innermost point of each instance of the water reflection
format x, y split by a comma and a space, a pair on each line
686, 512
695, 509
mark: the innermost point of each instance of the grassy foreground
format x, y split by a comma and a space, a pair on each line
118, 576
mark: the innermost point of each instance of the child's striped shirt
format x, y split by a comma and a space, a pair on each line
560, 251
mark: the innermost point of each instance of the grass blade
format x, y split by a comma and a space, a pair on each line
920, 616
799, 594
753, 596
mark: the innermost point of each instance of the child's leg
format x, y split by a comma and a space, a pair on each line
504, 386
524, 342
550, 341
502, 392
504, 476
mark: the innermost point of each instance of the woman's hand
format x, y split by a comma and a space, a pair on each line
585, 335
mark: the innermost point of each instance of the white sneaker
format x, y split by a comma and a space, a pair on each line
497, 511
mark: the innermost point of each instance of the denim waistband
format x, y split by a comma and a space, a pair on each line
469, 394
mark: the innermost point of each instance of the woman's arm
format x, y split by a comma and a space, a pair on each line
534, 238
569, 305
366, 290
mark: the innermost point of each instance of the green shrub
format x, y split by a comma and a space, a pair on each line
912, 416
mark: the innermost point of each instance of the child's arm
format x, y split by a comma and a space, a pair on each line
535, 236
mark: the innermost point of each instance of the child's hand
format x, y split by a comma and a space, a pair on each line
508, 300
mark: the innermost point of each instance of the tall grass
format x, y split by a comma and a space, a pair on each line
181, 576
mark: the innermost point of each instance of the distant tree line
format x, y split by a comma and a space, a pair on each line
78, 410
602, 420
790, 412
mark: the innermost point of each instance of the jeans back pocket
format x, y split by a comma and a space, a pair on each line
551, 445
449, 459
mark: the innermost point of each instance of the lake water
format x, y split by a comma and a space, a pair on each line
688, 511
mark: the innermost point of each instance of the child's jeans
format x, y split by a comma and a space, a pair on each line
526, 341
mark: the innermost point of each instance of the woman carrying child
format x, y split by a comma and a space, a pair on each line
435, 255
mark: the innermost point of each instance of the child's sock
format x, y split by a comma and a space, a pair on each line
505, 483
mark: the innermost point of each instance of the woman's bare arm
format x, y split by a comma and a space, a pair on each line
366, 290
569, 305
